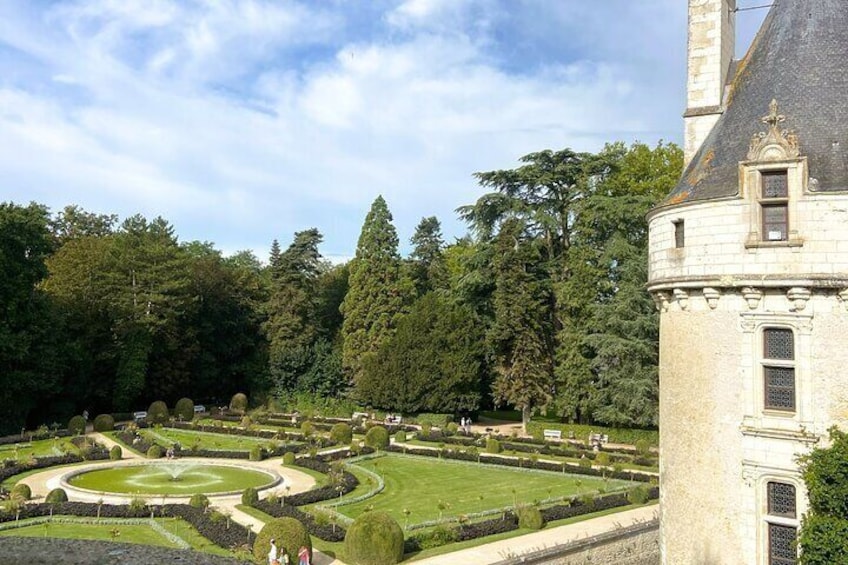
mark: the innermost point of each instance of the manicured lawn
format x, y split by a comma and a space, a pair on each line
421, 484
126, 533
207, 440
38, 448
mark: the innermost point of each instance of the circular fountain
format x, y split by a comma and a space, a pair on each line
171, 479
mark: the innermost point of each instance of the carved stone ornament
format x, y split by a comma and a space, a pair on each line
798, 296
752, 296
774, 144
661, 301
682, 298
712, 295
748, 477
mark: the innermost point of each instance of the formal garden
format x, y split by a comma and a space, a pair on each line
435, 485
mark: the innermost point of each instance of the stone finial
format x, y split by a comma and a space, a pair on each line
798, 296
752, 296
682, 298
712, 295
774, 144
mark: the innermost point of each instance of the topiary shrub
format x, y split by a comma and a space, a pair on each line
115, 453
493, 446
158, 412
638, 495
56, 495
249, 496
288, 458
104, 423
288, 534
246, 422
602, 459
238, 403
451, 429
155, 452
530, 517
256, 453
377, 438
374, 538
307, 428
184, 409
400, 436
76, 425
643, 448
199, 500
21, 491
341, 434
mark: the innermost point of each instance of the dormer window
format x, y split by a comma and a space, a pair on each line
774, 201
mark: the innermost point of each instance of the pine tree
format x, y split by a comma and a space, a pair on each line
376, 295
427, 261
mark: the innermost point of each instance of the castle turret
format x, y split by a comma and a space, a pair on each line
749, 268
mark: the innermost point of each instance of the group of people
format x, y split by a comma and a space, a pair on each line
282, 557
465, 425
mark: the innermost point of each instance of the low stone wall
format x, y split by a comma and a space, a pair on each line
633, 545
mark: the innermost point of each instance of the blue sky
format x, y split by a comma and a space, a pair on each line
241, 121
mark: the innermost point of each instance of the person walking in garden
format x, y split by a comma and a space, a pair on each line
284, 557
303, 556
272, 555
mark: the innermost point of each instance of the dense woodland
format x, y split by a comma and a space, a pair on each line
541, 306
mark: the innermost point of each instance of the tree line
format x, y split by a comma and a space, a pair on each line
540, 306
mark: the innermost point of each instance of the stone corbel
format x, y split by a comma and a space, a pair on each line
712, 295
682, 298
752, 296
798, 296
661, 301
843, 297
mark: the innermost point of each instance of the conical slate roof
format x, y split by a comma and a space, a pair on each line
800, 59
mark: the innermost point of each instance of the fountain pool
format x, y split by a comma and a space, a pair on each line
171, 479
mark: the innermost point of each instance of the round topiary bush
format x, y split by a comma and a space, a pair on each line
288, 534
374, 538
451, 428
199, 500
56, 495
307, 428
256, 453
642, 446
288, 458
21, 490
530, 517
341, 434
377, 437
76, 425
249, 496
158, 412
104, 423
155, 452
638, 495
115, 453
493, 446
400, 436
238, 403
184, 409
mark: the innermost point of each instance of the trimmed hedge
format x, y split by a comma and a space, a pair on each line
184, 408
289, 534
157, 413
530, 517
377, 437
104, 423
56, 495
249, 496
76, 425
115, 453
374, 538
238, 403
325, 532
616, 435
21, 490
15, 468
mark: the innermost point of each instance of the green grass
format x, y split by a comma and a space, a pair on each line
39, 448
154, 479
421, 484
127, 533
207, 440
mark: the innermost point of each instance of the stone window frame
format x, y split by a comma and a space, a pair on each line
767, 363
768, 520
751, 180
679, 233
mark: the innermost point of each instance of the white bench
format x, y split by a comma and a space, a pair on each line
553, 434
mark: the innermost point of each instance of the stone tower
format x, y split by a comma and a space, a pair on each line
749, 268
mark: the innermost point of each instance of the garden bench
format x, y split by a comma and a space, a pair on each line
553, 434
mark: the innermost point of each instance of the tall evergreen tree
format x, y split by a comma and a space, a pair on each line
427, 261
376, 296
521, 334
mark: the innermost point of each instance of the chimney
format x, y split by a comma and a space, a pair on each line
712, 40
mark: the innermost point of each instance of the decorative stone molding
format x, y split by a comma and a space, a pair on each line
682, 298
752, 296
748, 477
843, 297
774, 144
661, 300
712, 295
798, 296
